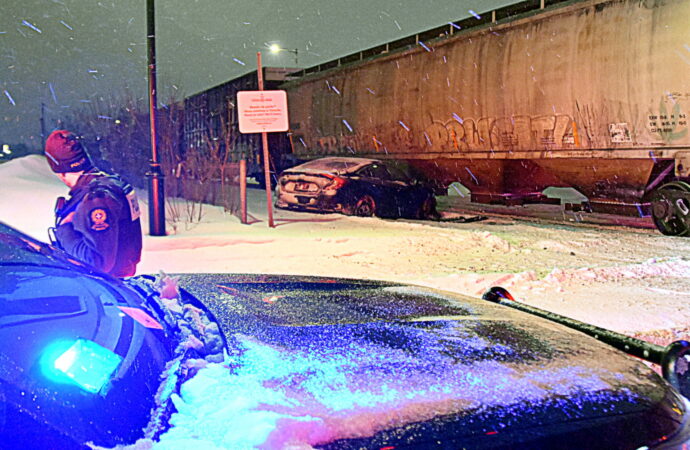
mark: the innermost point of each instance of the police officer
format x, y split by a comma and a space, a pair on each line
99, 222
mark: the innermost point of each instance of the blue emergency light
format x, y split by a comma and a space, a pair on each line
81, 362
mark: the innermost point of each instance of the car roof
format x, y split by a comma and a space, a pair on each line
336, 165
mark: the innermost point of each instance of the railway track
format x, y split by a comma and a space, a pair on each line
459, 209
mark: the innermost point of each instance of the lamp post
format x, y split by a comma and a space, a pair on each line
275, 48
156, 185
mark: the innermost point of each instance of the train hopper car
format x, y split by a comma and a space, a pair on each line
592, 94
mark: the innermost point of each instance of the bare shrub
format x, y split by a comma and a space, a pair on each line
117, 132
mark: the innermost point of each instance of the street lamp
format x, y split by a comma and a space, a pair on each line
275, 48
155, 174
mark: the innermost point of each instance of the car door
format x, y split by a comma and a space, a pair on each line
387, 191
407, 194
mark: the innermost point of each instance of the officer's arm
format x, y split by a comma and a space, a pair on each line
92, 236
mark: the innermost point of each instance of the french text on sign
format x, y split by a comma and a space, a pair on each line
262, 111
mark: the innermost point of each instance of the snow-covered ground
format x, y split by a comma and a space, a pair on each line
632, 281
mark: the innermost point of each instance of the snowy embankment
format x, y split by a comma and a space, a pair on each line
630, 281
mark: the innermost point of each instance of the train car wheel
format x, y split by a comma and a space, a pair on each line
671, 208
365, 207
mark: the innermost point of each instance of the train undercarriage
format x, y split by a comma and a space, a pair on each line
654, 188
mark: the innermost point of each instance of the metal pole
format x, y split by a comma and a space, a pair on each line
155, 175
243, 190
264, 141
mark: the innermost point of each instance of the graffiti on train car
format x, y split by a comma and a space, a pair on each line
515, 133
523, 132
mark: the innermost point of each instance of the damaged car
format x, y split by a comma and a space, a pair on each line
355, 186
271, 361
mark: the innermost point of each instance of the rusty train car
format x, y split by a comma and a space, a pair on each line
589, 94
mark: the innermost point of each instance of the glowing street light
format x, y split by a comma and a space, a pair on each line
275, 48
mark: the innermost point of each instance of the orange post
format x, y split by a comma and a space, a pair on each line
243, 190
264, 141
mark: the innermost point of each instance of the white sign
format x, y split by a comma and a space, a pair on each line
262, 111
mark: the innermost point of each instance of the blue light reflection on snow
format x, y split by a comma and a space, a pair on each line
310, 385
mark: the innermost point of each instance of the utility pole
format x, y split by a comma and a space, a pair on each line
156, 179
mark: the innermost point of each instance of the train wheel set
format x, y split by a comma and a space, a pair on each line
671, 208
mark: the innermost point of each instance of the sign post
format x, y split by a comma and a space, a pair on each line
243, 190
263, 112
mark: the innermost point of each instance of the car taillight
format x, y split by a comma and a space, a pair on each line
335, 183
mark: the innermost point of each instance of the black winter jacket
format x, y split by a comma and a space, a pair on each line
99, 224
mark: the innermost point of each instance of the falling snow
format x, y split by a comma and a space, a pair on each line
32, 26
9, 97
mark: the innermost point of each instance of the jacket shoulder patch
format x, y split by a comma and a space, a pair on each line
134, 210
99, 219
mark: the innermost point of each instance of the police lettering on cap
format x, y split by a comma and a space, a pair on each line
65, 153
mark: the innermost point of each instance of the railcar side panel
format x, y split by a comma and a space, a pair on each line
592, 95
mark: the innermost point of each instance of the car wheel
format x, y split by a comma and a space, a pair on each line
427, 210
364, 207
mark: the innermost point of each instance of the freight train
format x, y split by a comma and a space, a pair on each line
588, 94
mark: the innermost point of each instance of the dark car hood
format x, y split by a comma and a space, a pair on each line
383, 361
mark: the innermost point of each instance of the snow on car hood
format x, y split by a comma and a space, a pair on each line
292, 382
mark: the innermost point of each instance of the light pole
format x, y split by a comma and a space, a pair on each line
156, 184
275, 48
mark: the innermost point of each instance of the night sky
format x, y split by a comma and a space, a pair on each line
65, 53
